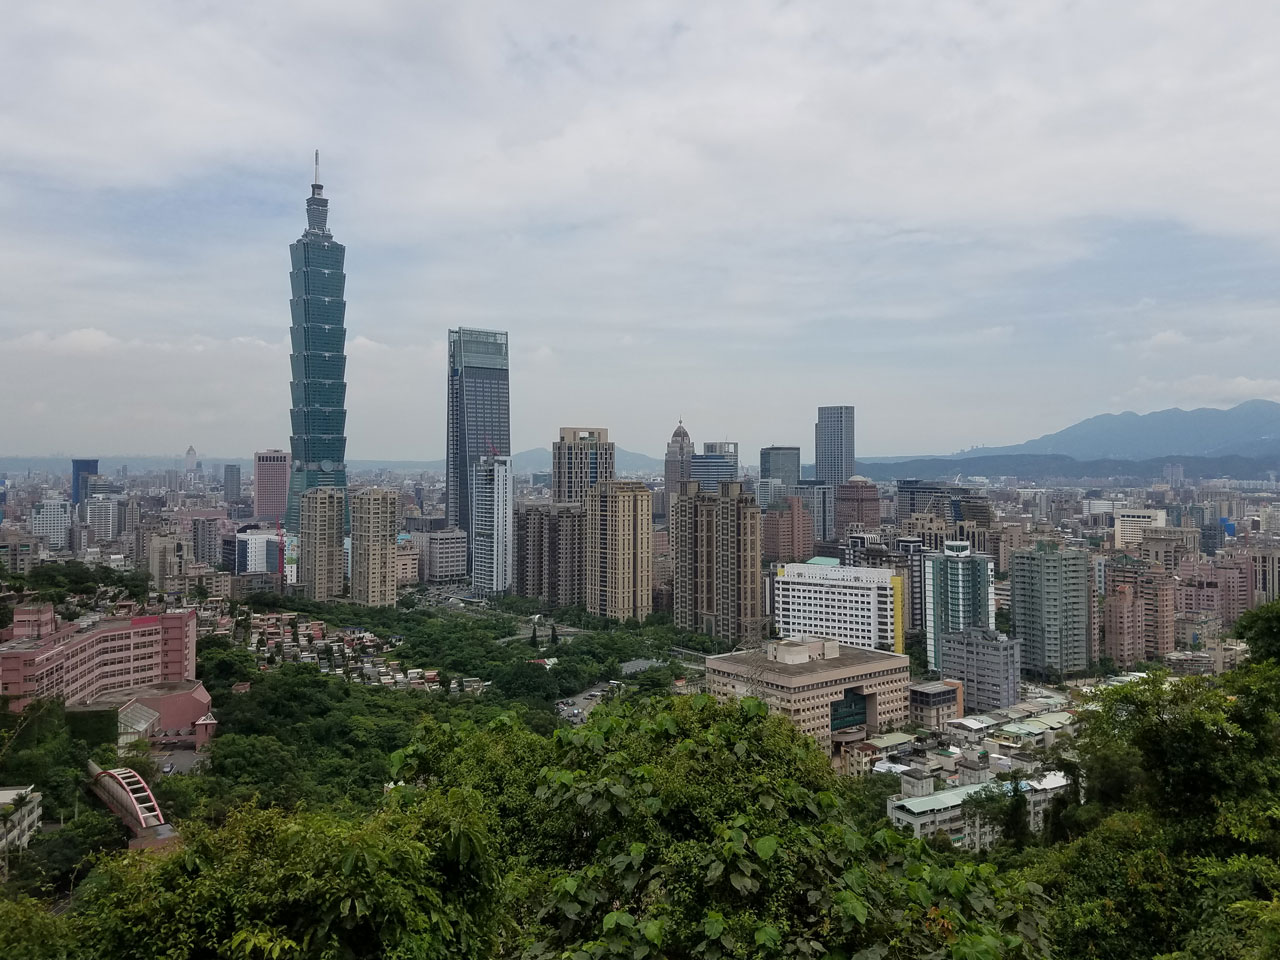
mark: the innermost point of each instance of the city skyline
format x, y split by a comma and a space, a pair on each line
594, 199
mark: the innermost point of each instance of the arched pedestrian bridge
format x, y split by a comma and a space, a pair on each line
127, 796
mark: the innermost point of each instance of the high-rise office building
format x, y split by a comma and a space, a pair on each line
1049, 604
722, 448
925, 497
678, 466
857, 501
619, 541
1131, 522
270, 485
479, 413
819, 501
318, 359
833, 445
51, 519
104, 516
859, 606
989, 665
167, 557
132, 517
959, 592
322, 559
768, 492
715, 549
374, 524
206, 540
787, 532
443, 554
780, 463
717, 464
492, 526
581, 458
190, 460
80, 471
231, 483
550, 553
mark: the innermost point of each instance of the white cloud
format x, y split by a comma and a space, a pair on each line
84, 340
728, 211
1168, 338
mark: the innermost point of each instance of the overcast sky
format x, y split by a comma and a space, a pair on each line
977, 222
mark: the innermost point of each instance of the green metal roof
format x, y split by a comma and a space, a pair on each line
824, 561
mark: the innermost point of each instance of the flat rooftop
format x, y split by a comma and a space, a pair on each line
849, 657
67, 631
932, 686
115, 698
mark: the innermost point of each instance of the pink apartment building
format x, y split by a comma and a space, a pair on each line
92, 660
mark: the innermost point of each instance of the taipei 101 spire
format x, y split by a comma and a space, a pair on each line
318, 359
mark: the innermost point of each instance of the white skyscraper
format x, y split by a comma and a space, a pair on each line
959, 592
833, 445
103, 515
859, 606
51, 519
492, 526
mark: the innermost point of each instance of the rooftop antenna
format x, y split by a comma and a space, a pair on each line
316, 178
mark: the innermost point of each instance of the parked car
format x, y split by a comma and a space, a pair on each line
168, 768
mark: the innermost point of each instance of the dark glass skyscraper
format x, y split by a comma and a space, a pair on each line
318, 444
479, 413
80, 471
780, 463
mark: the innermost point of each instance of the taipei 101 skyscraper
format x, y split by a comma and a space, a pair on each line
318, 360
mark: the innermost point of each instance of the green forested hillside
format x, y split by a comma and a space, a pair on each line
675, 827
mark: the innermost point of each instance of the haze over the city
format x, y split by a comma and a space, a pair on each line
978, 225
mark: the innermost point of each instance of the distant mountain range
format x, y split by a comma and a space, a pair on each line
1242, 442
1037, 466
624, 461
1251, 429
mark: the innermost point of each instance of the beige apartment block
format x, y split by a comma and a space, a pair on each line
619, 550
581, 458
322, 565
374, 522
716, 549
826, 688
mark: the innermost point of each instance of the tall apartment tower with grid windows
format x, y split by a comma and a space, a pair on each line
715, 547
581, 458
318, 359
619, 550
322, 562
374, 523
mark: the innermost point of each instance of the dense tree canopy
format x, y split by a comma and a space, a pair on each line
333, 819
1260, 629
690, 828
1174, 854
59, 582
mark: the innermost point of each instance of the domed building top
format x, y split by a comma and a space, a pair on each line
680, 433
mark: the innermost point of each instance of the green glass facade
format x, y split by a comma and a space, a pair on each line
851, 711
318, 359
